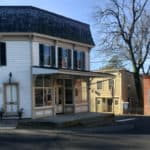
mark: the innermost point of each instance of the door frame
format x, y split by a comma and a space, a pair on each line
5, 97
109, 100
57, 106
98, 101
64, 95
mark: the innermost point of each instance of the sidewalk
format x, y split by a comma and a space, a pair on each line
8, 124
70, 124
68, 120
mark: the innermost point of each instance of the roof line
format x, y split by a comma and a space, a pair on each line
37, 8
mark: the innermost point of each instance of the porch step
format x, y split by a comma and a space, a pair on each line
8, 124
10, 117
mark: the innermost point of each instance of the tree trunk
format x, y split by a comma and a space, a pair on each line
139, 103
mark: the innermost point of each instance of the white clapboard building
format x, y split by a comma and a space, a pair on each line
44, 63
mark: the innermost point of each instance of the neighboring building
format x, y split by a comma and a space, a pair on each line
146, 91
44, 62
113, 94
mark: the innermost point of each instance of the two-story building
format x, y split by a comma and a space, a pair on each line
44, 62
114, 94
146, 93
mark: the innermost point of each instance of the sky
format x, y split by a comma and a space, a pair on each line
81, 10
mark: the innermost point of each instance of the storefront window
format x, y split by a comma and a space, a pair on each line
38, 81
43, 91
38, 97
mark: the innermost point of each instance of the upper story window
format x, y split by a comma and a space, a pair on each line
2, 54
99, 85
64, 58
110, 83
79, 60
47, 55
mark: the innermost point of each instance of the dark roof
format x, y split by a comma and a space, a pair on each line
32, 19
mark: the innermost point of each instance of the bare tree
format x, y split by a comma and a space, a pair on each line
125, 32
114, 62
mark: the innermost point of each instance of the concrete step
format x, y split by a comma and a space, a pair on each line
76, 122
8, 124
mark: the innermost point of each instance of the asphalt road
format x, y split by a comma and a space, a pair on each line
136, 139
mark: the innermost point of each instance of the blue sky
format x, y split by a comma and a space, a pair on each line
76, 9
81, 10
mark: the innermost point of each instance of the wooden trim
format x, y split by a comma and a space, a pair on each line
18, 95
34, 35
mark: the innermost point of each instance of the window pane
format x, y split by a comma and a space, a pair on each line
64, 58
47, 97
69, 58
68, 83
39, 81
38, 97
60, 95
83, 60
47, 81
99, 85
111, 83
47, 55
78, 60
59, 82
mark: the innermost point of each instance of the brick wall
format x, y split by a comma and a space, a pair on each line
146, 88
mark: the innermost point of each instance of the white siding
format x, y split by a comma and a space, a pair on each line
19, 63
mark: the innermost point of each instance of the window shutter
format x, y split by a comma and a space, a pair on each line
3, 54
75, 59
41, 54
60, 57
53, 56
83, 60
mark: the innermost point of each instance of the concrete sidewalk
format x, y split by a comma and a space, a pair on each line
8, 124
71, 123
69, 120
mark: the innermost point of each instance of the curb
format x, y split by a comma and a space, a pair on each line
110, 129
